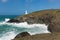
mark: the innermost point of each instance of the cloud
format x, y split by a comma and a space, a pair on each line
4, 1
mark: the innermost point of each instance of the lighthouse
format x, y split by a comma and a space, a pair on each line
26, 12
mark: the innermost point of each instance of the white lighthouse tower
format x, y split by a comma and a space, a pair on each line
26, 12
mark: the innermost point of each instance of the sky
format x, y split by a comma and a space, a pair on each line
18, 7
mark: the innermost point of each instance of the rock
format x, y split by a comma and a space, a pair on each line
13, 21
54, 26
21, 35
48, 36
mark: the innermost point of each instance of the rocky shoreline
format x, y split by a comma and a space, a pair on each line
46, 36
49, 17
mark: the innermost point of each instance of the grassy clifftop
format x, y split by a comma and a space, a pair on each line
42, 12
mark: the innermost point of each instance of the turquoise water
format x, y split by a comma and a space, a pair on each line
5, 28
11, 30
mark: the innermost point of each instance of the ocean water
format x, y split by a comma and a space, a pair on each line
9, 30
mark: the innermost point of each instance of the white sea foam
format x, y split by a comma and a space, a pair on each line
8, 36
4, 22
7, 19
35, 29
23, 24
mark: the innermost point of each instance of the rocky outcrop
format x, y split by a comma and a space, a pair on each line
48, 17
48, 36
21, 36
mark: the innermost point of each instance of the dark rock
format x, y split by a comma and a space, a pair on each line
21, 35
13, 21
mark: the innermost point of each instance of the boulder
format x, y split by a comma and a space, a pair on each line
21, 35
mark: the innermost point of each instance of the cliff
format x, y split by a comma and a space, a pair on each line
49, 17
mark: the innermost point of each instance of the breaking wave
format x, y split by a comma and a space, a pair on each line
23, 24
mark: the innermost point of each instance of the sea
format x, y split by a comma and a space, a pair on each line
9, 30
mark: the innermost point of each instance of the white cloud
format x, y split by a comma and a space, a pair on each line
4, 1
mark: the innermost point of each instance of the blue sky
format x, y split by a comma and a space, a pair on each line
17, 7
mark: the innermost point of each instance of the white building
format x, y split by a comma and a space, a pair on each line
26, 12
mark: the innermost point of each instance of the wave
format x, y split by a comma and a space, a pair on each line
30, 28
23, 24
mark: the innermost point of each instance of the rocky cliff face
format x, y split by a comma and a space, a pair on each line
48, 17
